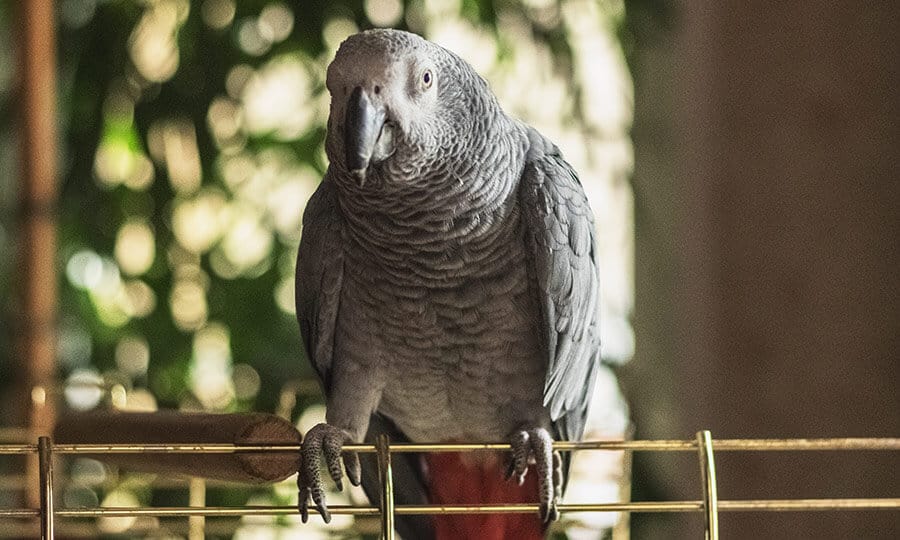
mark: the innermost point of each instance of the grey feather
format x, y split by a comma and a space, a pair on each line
319, 278
559, 228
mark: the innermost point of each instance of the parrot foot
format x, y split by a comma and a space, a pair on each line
535, 447
323, 440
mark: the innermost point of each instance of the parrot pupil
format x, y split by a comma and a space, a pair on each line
427, 77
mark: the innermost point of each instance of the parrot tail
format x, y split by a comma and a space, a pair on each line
478, 478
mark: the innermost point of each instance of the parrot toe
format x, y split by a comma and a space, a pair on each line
519, 454
323, 440
535, 446
351, 465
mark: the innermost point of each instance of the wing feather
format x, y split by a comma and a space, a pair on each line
559, 227
320, 272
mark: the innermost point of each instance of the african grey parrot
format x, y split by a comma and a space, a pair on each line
447, 287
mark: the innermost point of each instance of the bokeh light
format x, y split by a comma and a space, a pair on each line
87, 472
119, 159
225, 120
140, 400
284, 295
133, 355
276, 21
135, 247
84, 269
246, 381
275, 99
83, 389
198, 222
337, 30
251, 39
153, 44
210, 371
218, 14
80, 497
247, 242
237, 78
173, 143
188, 298
118, 498
384, 12
140, 299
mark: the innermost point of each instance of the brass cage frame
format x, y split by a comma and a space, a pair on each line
704, 445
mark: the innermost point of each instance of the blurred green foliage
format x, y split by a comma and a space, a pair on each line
108, 105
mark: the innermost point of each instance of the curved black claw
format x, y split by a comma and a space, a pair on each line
323, 440
535, 446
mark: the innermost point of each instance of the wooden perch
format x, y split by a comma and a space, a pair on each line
172, 427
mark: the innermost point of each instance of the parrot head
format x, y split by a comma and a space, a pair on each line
398, 102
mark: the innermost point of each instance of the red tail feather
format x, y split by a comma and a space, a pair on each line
477, 478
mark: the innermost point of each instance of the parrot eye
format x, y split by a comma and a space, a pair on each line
427, 78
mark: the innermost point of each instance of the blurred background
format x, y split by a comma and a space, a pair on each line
189, 136
742, 163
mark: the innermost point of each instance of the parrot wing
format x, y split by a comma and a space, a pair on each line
318, 289
559, 236
320, 272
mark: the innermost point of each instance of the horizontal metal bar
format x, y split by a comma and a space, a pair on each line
761, 505
19, 512
787, 505
17, 449
646, 445
849, 443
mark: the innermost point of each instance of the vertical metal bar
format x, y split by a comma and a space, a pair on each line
708, 477
622, 528
45, 461
385, 475
196, 499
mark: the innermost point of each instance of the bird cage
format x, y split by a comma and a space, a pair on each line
707, 504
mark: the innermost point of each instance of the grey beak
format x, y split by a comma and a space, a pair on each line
362, 124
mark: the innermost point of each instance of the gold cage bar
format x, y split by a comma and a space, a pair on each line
704, 445
749, 505
385, 476
719, 445
45, 475
708, 482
